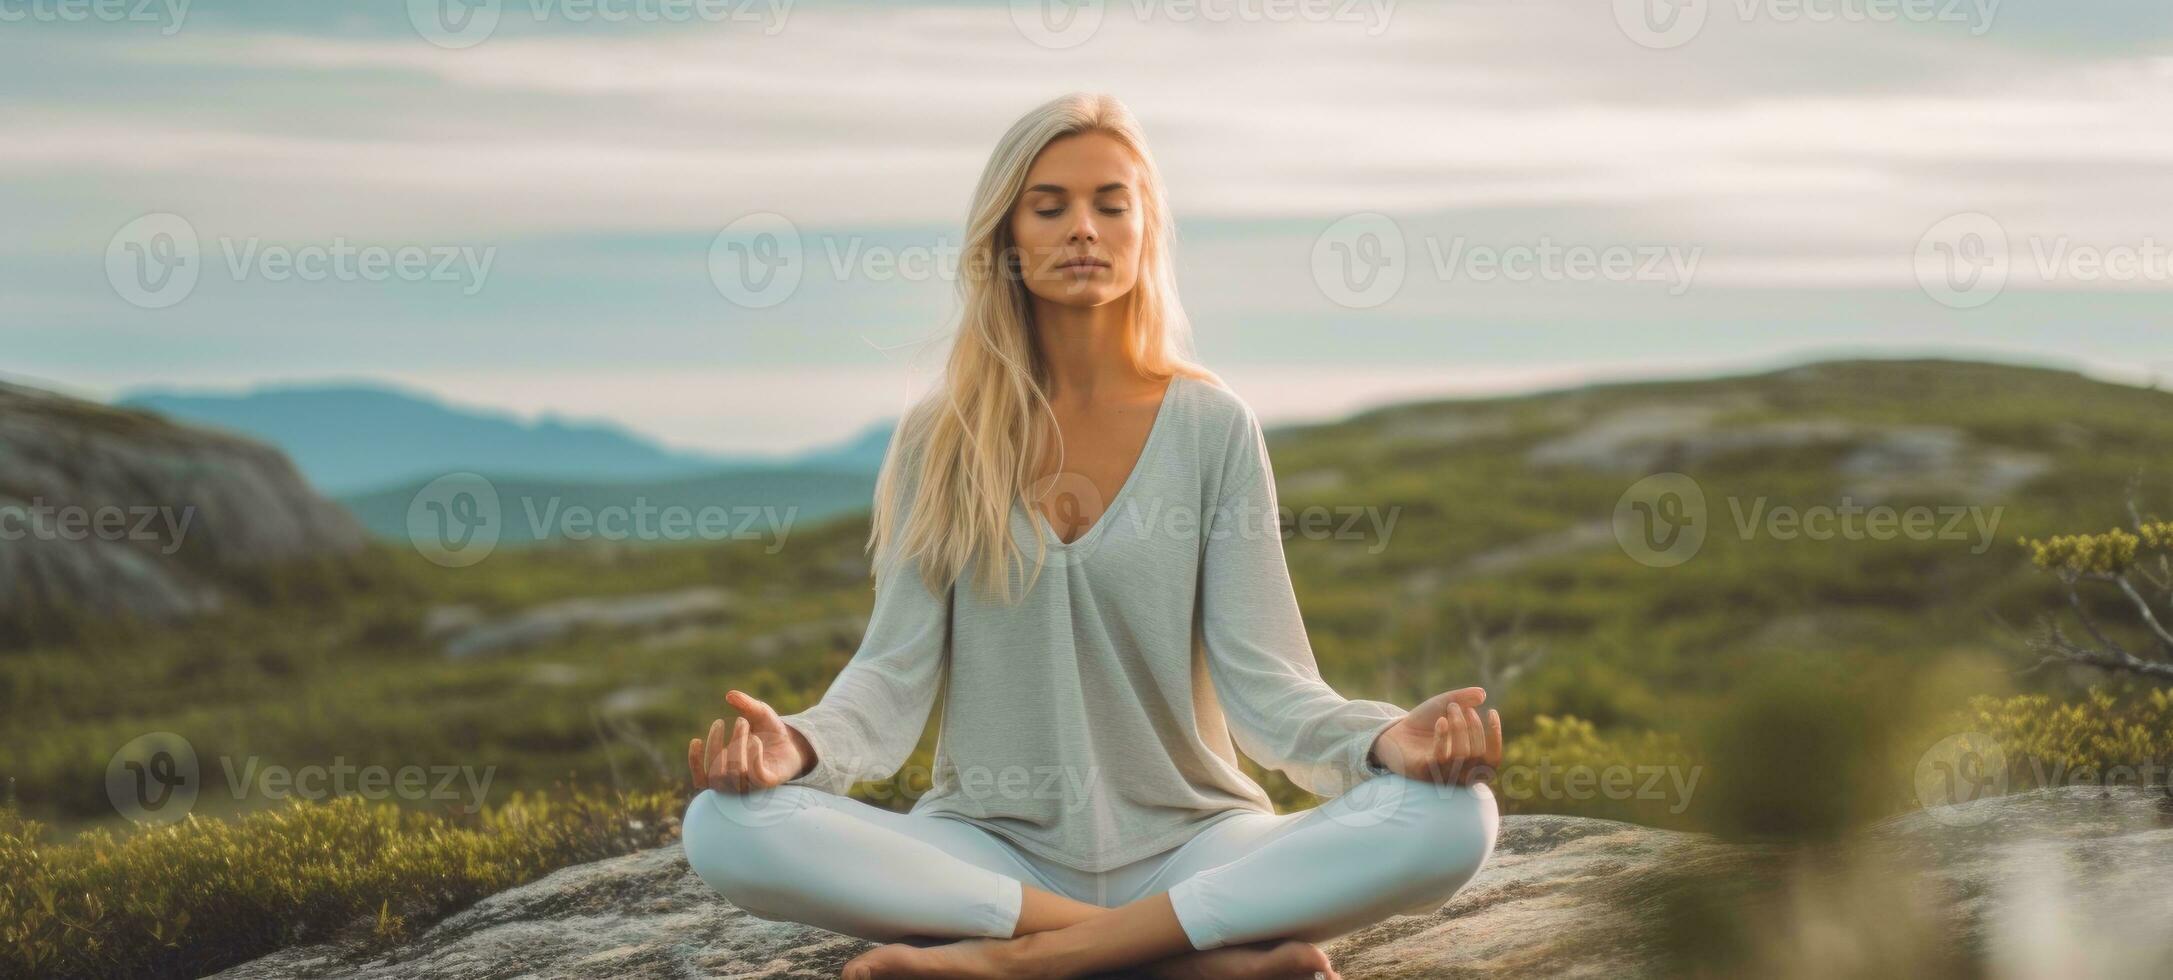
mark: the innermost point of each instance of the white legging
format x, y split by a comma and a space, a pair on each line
794, 853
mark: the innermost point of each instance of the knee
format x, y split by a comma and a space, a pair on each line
735, 841
1450, 831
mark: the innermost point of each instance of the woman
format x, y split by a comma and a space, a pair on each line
1087, 811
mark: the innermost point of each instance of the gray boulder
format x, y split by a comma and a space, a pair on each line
1563, 896
123, 513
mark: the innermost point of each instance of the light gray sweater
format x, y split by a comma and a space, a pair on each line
1091, 722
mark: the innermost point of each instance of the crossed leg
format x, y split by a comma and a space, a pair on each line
1243, 898
797, 854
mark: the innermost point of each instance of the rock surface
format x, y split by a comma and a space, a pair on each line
1563, 896
462, 633
181, 507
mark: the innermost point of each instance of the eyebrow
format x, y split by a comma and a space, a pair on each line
1053, 189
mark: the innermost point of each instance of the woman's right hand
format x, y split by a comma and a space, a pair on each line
763, 751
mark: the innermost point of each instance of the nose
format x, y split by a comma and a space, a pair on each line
1082, 229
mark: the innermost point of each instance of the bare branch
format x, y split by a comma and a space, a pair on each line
2142, 607
2058, 649
2074, 600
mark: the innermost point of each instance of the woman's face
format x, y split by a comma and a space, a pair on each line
1077, 225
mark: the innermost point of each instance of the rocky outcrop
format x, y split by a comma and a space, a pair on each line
123, 513
462, 631
1563, 896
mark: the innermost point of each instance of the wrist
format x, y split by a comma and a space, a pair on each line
803, 748
1373, 759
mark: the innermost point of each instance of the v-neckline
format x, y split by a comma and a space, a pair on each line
1047, 528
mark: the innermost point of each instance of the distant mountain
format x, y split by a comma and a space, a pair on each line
860, 454
352, 439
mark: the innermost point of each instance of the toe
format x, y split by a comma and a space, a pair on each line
1310, 961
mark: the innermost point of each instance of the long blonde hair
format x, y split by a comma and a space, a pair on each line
969, 449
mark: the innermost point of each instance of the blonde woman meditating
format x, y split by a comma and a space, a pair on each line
1076, 542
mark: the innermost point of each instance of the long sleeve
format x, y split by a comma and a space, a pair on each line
1281, 713
872, 715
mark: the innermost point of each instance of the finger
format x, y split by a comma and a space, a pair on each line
694, 764
758, 765
1460, 764
1437, 751
1468, 695
713, 764
1474, 746
743, 735
1493, 738
1446, 748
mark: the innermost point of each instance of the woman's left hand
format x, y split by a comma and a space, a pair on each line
1444, 740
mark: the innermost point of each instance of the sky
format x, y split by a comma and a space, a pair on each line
551, 206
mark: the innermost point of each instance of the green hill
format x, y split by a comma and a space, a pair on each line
1436, 544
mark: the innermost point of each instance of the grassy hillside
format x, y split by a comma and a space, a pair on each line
1499, 518
738, 501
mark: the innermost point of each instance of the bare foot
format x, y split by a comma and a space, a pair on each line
971, 959
1285, 960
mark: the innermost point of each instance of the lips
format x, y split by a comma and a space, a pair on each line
1083, 262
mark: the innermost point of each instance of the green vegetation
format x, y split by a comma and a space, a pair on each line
1783, 685
2124, 739
201, 895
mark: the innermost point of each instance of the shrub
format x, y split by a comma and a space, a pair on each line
2042, 742
1565, 765
200, 895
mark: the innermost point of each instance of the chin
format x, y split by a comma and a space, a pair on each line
1096, 295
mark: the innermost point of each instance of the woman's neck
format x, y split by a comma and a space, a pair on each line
1083, 350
